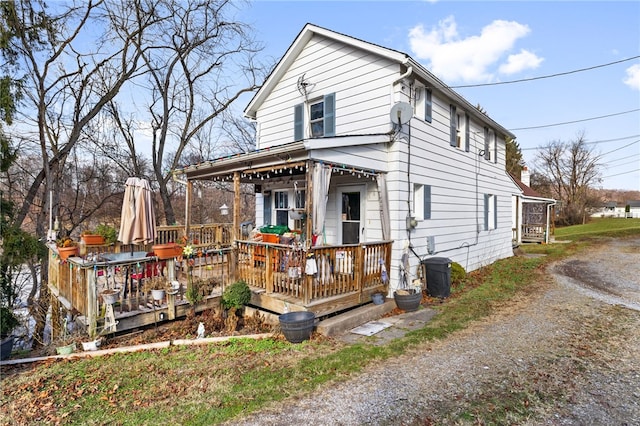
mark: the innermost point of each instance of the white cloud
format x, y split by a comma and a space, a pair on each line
470, 59
519, 62
633, 77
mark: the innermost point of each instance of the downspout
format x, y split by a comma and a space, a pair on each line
547, 237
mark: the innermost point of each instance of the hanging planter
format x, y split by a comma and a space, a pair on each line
167, 251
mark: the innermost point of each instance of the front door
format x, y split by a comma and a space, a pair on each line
351, 214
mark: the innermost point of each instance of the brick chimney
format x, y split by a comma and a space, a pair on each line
525, 176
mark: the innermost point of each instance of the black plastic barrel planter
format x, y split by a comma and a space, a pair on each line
297, 326
438, 272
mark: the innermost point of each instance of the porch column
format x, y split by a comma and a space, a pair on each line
235, 232
308, 279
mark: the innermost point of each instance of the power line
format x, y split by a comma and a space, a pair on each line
620, 165
546, 76
618, 149
620, 174
592, 142
576, 121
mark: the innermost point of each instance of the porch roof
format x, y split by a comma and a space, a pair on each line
291, 156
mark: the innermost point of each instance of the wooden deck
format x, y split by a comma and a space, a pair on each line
282, 277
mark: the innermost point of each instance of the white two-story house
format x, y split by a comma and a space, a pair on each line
370, 157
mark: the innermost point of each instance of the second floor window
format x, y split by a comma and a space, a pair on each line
319, 118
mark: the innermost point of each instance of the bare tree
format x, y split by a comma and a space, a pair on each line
66, 83
571, 169
199, 61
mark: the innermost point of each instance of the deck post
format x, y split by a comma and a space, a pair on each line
268, 273
92, 301
359, 268
187, 208
55, 317
171, 306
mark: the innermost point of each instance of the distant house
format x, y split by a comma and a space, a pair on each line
609, 209
632, 209
530, 215
628, 209
359, 145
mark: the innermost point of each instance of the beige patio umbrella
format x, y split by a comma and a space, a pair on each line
137, 221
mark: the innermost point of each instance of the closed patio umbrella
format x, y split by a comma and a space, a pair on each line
137, 221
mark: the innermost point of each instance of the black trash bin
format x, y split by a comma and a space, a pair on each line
438, 274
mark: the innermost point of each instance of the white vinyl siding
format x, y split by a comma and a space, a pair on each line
457, 181
331, 67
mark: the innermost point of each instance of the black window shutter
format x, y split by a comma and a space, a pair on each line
454, 127
466, 132
487, 153
298, 122
427, 201
330, 115
428, 105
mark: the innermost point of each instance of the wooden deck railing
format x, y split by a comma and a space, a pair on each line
533, 232
339, 270
217, 234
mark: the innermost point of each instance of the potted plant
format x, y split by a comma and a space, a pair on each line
91, 238
68, 346
66, 247
157, 286
109, 233
408, 299
236, 295
8, 321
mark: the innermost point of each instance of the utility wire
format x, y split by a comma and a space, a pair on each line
618, 149
546, 76
576, 121
590, 143
619, 165
620, 174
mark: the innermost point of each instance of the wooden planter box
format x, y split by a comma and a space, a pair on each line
92, 239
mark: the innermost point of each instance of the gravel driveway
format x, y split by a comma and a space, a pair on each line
567, 354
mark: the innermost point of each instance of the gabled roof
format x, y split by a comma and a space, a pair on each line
526, 190
310, 30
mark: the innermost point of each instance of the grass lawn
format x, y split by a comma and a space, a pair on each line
605, 227
214, 383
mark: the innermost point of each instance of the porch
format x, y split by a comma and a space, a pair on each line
321, 279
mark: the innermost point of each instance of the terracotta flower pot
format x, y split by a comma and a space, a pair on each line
167, 251
65, 252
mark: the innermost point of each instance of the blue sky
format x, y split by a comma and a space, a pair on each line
470, 43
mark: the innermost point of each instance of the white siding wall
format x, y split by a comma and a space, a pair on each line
458, 179
361, 83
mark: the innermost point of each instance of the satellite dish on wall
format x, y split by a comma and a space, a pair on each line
401, 112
